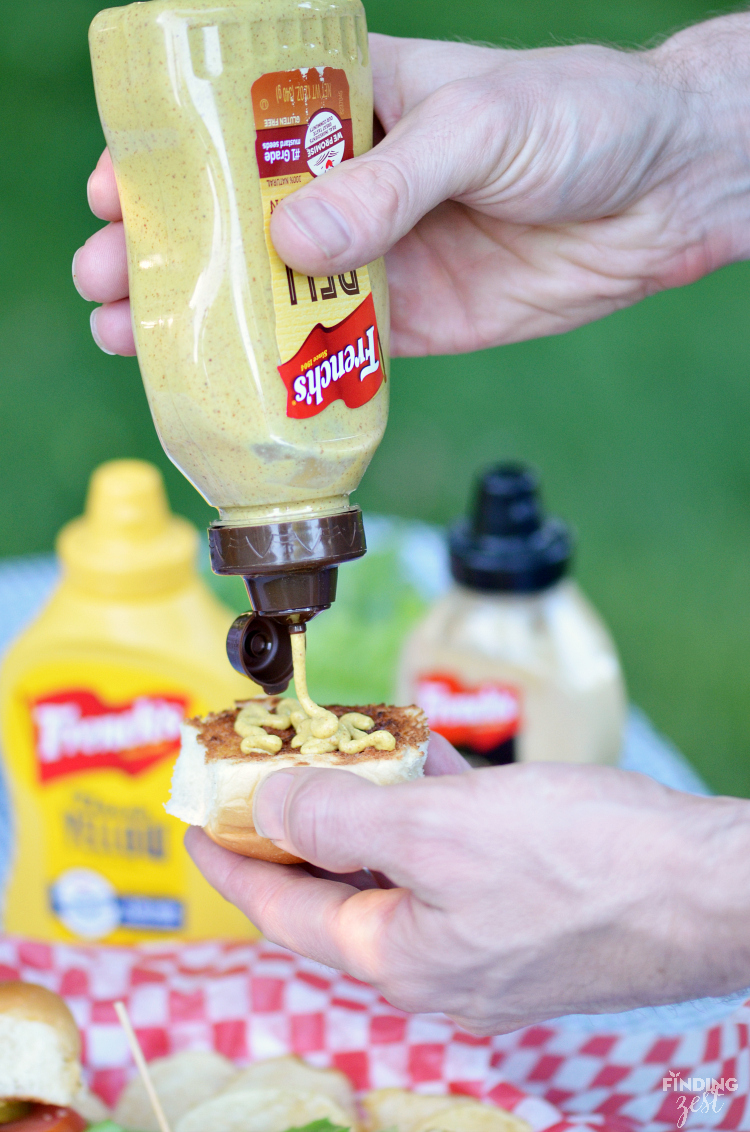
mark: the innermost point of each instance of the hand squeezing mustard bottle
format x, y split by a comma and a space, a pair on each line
268, 388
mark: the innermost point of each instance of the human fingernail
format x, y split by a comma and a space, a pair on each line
268, 810
95, 333
320, 223
76, 283
88, 191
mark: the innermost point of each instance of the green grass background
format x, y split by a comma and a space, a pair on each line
639, 424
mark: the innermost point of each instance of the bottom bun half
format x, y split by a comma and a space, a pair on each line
245, 841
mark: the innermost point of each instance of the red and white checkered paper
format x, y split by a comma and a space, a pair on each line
253, 1001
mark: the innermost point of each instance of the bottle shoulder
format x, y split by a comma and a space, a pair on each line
557, 629
181, 633
130, 18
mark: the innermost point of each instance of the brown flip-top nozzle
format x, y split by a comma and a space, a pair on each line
290, 570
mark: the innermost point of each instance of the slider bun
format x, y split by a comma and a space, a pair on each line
214, 782
240, 837
40, 1047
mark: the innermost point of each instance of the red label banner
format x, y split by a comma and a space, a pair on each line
305, 149
76, 731
339, 362
479, 716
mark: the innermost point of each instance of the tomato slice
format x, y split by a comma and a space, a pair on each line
47, 1118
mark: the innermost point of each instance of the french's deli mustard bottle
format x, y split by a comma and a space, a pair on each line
268, 388
513, 663
92, 695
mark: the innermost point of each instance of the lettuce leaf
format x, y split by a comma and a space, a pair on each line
323, 1125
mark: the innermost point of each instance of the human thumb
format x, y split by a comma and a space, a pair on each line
335, 819
356, 212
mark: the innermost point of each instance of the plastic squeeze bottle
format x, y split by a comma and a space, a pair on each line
91, 700
268, 388
513, 663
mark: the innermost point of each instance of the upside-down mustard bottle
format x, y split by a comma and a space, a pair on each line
91, 700
269, 388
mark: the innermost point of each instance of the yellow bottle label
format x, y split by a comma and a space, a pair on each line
90, 750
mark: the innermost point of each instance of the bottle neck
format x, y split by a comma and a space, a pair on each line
283, 512
510, 598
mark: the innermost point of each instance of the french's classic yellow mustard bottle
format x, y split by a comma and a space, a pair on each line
91, 700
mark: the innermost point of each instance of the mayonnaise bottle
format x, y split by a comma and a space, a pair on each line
513, 663
268, 388
91, 699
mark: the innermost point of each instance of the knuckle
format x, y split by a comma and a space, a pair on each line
451, 101
368, 926
385, 189
377, 191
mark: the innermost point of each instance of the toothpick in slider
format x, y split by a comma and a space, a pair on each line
135, 1048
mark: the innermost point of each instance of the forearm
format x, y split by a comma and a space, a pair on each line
648, 903
623, 895
711, 898
676, 911
707, 67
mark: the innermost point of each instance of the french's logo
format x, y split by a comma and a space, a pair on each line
76, 731
341, 362
479, 716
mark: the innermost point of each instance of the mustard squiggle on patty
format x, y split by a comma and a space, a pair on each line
318, 731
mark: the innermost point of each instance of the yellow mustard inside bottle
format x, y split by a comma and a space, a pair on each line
91, 699
268, 388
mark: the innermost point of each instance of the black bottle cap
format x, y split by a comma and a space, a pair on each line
508, 545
